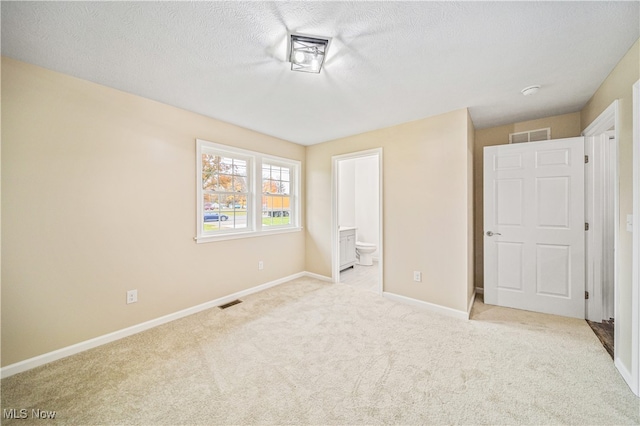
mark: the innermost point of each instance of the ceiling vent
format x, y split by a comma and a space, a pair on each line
530, 136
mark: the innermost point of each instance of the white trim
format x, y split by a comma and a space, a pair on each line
295, 191
335, 238
335, 228
635, 280
254, 226
428, 306
248, 234
610, 217
593, 305
622, 369
600, 200
39, 360
318, 277
472, 300
604, 121
212, 148
607, 119
479, 290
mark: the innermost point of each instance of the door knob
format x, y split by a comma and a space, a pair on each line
491, 234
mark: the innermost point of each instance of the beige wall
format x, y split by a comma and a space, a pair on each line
427, 224
562, 126
618, 85
99, 197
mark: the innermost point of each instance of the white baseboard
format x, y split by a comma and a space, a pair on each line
428, 306
471, 302
39, 360
317, 276
479, 290
626, 375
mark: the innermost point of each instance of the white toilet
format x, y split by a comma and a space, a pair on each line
365, 250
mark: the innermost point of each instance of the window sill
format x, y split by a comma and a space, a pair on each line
250, 234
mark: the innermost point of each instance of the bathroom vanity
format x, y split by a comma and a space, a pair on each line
347, 247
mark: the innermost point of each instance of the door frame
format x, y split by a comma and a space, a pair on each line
604, 122
601, 174
635, 275
335, 233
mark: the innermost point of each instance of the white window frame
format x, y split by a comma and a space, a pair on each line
254, 197
293, 179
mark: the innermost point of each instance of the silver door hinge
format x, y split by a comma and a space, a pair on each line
586, 294
586, 159
586, 226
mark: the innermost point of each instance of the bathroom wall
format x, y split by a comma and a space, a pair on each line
358, 196
347, 193
367, 201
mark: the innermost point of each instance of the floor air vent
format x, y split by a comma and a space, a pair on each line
230, 304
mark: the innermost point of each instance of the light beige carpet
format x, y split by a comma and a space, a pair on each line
308, 352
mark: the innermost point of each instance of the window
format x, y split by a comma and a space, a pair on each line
243, 193
225, 191
276, 194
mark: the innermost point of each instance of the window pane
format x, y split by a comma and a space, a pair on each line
277, 203
285, 219
236, 210
276, 210
225, 165
239, 167
209, 181
211, 202
224, 211
212, 215
275, 172
225, 183
285, 188
269, 187
209, 170
278, 187
240, 184
266, 171
241, 202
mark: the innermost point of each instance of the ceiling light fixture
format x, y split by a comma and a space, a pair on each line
531, 90
307, 53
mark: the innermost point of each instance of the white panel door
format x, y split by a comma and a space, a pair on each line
534, 237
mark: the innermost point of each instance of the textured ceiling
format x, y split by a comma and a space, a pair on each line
388, 63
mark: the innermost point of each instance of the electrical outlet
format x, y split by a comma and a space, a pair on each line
260, 265
132, 296
417, 276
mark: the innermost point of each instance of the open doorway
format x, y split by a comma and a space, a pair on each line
600, 196
601, 214
357, 219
